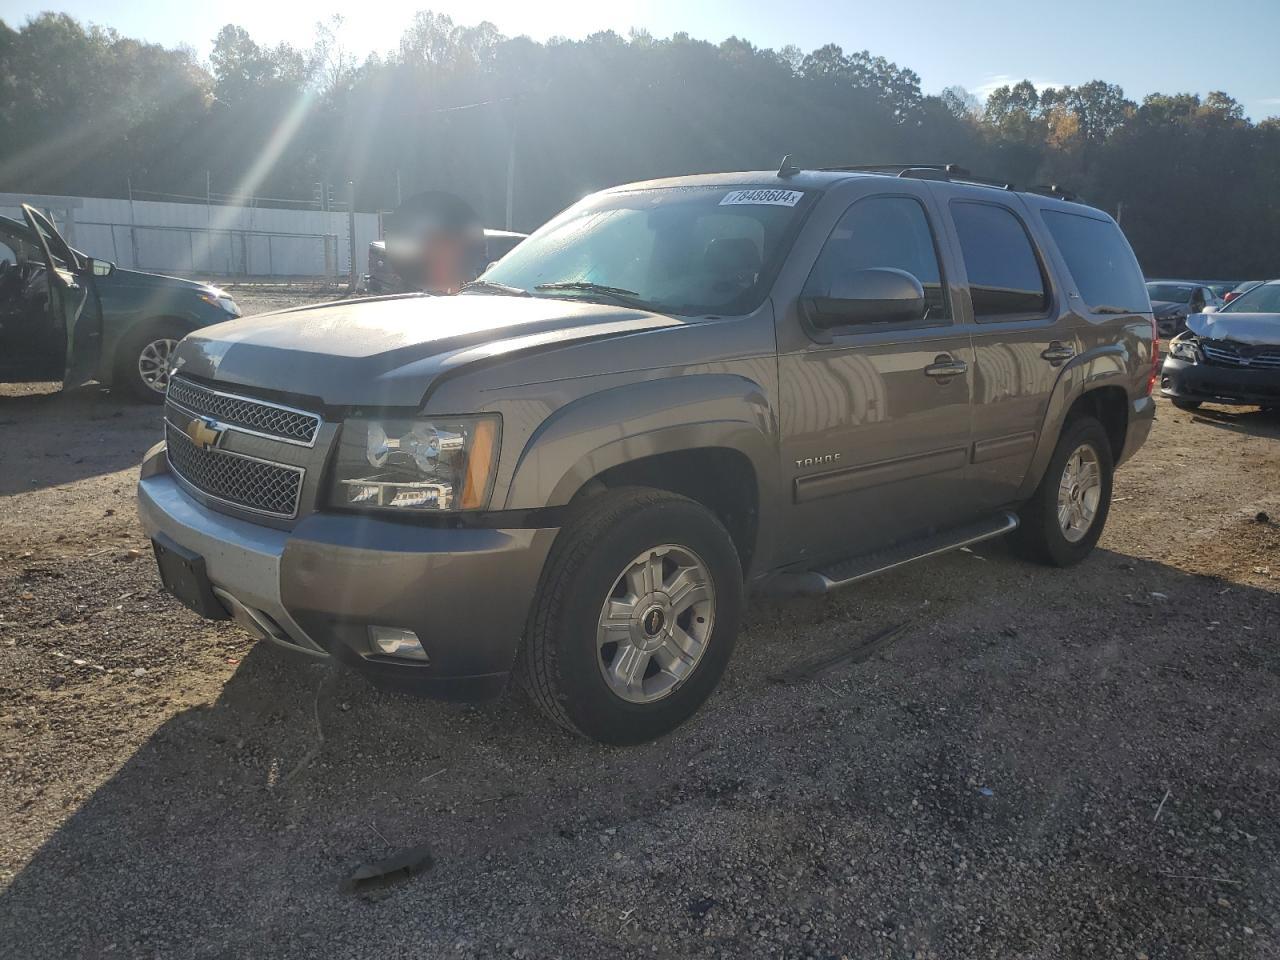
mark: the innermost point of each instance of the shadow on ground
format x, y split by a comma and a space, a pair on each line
985, 787
1251, 421
58, 437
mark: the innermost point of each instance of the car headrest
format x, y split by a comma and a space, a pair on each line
732, 255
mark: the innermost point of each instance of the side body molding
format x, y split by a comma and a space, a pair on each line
662, 415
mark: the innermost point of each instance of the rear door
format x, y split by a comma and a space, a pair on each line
874, 416
73, 308
1023, 335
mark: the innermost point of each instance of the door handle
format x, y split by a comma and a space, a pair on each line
1057, 353
945, 366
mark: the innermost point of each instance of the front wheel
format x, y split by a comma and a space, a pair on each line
635, 618
146, 357
1064, 518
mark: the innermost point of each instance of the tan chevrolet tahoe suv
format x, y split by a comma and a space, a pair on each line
672, 394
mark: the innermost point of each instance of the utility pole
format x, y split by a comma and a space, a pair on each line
511, 174
133, 224
398, 196
351, 232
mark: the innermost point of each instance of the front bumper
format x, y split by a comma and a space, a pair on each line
1182, 380
466, 592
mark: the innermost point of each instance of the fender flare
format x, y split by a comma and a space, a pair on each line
633, 421
1108, 366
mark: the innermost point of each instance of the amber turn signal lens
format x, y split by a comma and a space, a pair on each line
480, 462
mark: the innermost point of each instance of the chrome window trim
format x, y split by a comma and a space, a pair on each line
249, 431
191, 487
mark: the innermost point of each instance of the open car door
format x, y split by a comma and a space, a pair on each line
73, 308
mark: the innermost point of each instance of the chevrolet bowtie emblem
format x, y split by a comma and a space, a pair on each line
203, 433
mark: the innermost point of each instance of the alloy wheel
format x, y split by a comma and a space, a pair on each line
655, 623
1079, 493
154, 362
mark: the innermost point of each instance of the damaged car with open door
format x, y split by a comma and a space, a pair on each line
66, 316
50, 317
1229, 356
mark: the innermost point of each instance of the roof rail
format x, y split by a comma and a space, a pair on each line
1054, 190
950, 172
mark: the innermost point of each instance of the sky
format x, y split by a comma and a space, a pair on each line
1143, 45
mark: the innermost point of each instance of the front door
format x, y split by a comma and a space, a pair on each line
73, 308
875, 415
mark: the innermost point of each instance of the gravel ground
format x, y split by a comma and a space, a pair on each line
1045, 764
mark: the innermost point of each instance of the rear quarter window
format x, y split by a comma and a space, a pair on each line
1101, 262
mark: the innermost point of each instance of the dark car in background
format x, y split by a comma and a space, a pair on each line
1229, 356
1173, 300
69, 317
1240, 289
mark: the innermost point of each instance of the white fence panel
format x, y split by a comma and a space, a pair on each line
194, 238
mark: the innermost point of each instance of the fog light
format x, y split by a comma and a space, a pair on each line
394, 642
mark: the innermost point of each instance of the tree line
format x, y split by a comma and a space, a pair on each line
84, 110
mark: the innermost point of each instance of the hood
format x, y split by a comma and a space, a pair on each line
387, 351
1259, 329
155, 281
1162, 307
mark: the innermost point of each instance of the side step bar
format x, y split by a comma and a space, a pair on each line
833, 576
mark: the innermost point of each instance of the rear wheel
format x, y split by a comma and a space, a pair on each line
635, 618
145, 358
1063, 520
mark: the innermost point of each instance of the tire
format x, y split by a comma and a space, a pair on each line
596, 560
1042, 536
1187, 404
141, 345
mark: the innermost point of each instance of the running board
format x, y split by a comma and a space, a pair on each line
841, 574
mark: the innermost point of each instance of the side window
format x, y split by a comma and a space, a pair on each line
884, 232
1100, 261
1005, 280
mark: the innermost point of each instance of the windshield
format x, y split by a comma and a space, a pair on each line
1264, 298
1173, 292
683, 250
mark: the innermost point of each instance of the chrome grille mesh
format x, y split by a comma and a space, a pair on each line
1229, 354
294, 426
257, 485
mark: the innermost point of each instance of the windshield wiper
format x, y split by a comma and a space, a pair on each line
489, 286
586, 286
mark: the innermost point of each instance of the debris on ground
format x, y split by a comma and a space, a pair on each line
865, 649
394, 869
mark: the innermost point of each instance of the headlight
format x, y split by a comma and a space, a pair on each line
433, 465
1184, 350
217, 298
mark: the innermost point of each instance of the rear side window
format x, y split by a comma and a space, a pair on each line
1005, 280
1101, 263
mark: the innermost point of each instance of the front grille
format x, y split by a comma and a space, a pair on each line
253, 416
1228, 354
257, 485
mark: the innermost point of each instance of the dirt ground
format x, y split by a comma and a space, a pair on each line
1046, 763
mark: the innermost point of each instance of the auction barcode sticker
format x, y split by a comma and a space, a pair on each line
777, 198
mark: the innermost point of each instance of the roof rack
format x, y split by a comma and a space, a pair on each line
951, 172
1054, 190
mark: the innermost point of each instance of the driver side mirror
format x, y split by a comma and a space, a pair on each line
101, 268
877, 295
